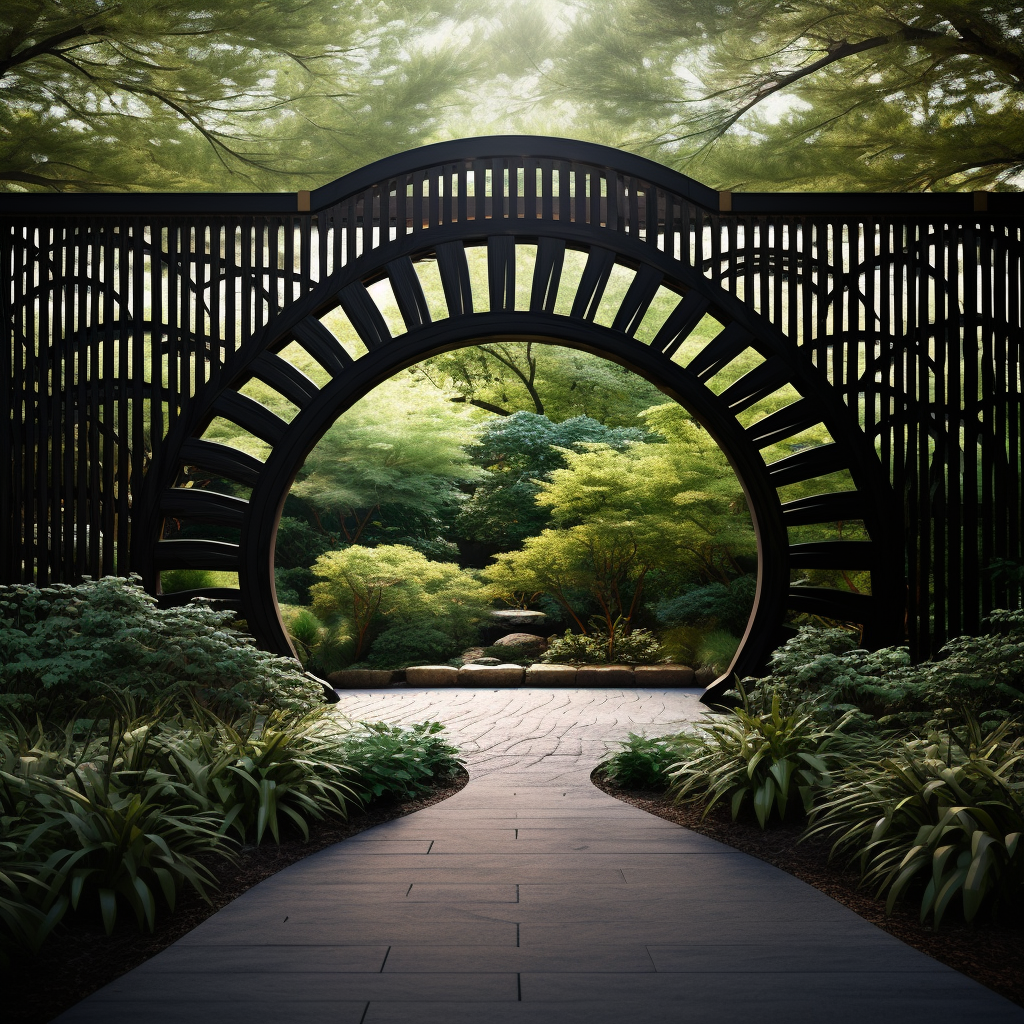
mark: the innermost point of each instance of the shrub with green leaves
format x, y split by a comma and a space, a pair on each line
399, 762
942, 816
407, 644
623, 646
778, 757
983, 673
65, 646
644, 762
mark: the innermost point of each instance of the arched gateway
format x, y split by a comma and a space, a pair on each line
889, 325
435, 204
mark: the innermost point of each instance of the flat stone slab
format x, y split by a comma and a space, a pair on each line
605, 675
663, 675
432, 675
361, 679
491, 675
551, 675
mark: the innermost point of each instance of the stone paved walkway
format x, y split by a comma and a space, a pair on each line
531, 896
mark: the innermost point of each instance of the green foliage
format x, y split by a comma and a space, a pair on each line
700, 647
725, 605
122, 813
546, 380
943, 815
394, 584
295, 768
619, 515
267, 96
392, 463
63, 645
409, 644
644, 762
621, 645
983, 673
779, 757
518, 451
907, 95
402, 763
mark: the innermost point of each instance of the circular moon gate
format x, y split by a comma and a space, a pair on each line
479, 318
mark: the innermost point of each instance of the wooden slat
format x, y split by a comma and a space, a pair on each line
221, 460
251, 416
720, 351
366, 318
594, 279
323, 346
834, 507
222, 598
754, 385
405, 283
501, 268
832, 554
196, 554
547, 273
285, 378
453, 267
639, 295
805, 465
782, 424
202, 505
832, 604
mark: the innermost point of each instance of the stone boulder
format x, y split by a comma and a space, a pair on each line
518, 619
531, 645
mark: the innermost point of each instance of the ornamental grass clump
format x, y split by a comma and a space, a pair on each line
941, 817
778, 758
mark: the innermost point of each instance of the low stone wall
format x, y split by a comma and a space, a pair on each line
657, 677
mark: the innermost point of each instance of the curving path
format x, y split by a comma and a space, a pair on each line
531, 896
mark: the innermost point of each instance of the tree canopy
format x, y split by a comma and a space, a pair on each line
153, 94
753, 94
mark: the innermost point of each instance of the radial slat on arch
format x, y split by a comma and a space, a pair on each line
366, 318
323, 346
195, 554
453, 268
221, 459
201, 504
832, 554
754, 385
637, 300
804, 465
782, 424
832, 507
405, 283
281, 375
547, 274
251, 416
681, 323
592, 284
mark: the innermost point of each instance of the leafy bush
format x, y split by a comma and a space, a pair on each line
696, 646
644, 761
392, 761
636, 647
944, 814
983, 673
125, 811
770, 754
719, 605
374, 588
404, 645
65, 646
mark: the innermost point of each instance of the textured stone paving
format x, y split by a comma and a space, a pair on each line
531, 896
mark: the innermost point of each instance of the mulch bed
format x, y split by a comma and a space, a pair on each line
78, 958
990, 952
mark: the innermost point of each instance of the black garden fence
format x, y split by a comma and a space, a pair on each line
893, 322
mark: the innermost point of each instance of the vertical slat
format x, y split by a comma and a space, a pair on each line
97, 496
